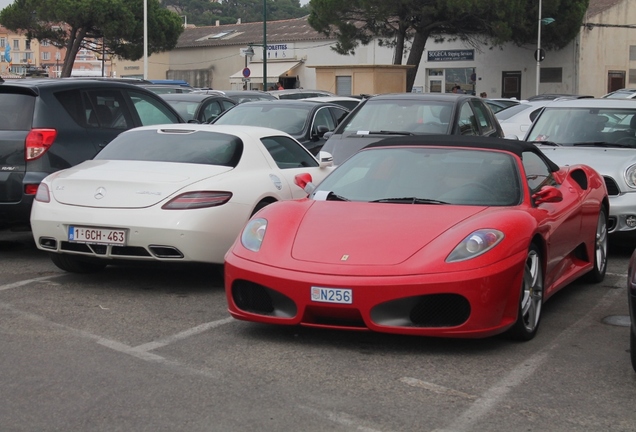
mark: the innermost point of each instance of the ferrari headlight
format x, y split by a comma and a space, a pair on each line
630, 176
253, 234
475, 244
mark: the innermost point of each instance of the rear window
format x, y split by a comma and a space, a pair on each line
16, 111
175, 145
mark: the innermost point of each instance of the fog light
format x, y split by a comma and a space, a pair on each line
630, 221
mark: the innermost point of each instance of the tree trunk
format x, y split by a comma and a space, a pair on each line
415, 57
398, 52
76, 36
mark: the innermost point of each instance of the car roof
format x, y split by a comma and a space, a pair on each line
486, 143
192, 97
593, 103
288, 103
241, 132
438, 97
64, 83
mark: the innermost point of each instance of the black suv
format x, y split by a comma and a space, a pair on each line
50, 124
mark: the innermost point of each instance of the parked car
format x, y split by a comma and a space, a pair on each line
626, 93
51, 124
202, 108
241, 96
431, 236
166, 193
298, 93
516, 120
411, 114
348, 102
600, 133
496, 106
305, 121
167, 88
631, 303
505, 101
555, 96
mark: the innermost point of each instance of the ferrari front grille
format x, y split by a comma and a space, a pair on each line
258, 299
440, 310
612, 187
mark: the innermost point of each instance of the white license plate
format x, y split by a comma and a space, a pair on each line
97, 235
332, 295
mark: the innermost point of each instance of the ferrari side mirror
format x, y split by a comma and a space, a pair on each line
548, 194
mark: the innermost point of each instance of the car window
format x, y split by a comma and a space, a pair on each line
287, 119
338, 114
211, 111
106, 109
467, 121
483, 118
288, 153
537, 172
513, 110
150, 110
323, 118
16, 111
227, 104
576, 125
174, 145
454, 176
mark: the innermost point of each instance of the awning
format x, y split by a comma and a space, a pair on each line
275, 69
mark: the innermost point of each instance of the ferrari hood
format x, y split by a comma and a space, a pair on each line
607, 161
372, 233
125, 184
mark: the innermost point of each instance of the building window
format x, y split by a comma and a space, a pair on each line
632, 76
44, 43
16, 44
28, 44
3, 42
632, 53
57, 56
46, 56
343, 85
551, 75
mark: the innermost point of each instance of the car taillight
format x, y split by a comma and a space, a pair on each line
196, 200
38, 142
42, 194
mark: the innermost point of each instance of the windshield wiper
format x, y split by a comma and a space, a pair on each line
409, 200
601, 144
548, 143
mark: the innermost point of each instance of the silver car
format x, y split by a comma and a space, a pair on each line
600, 133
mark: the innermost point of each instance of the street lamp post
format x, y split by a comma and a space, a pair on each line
145, 39
264, 45
539, 53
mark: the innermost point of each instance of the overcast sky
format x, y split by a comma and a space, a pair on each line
5, 3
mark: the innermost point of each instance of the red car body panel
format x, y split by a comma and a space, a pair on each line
387, 253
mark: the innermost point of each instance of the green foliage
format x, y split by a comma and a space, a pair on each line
395, 22
76, 24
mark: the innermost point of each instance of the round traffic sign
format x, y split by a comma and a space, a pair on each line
246, 72
539, 55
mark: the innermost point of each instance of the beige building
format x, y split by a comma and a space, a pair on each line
601, 58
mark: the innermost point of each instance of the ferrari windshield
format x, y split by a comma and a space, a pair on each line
425, 175
175, 145
400, 115
290, 119
586, 126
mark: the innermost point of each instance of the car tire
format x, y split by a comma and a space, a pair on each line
260, 205
632, 346
530, 299
73, 264
600, 250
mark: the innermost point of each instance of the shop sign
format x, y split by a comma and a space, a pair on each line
451, 55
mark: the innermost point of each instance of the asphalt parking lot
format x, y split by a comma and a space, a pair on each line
153, 348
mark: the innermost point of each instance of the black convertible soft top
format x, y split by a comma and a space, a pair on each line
478, 142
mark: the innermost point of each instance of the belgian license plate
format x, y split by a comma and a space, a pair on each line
97, 235
332, 295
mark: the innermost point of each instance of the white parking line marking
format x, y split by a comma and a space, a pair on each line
414, 382
467, 421
183, 335
339, 418
26, 282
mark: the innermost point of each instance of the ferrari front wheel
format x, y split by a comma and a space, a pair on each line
600, 249
531, 298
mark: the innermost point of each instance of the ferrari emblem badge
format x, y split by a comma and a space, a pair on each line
344, 258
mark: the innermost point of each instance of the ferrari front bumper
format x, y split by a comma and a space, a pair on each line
477, 303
